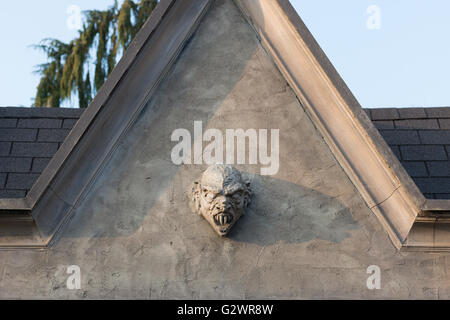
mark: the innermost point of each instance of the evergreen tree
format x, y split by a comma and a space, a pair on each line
105, 33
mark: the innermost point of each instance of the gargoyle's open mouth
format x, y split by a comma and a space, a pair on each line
223, 220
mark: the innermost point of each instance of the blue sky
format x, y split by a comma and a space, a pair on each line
22, 24
404, 62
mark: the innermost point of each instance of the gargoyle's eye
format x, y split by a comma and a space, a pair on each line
209, 196
237, 196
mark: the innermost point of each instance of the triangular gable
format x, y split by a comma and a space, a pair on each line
379, 177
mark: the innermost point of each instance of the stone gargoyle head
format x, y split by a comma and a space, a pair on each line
221, 197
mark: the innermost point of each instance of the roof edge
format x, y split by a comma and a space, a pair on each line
41, 112
39, 187
98, 102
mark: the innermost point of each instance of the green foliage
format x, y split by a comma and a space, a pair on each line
105, 33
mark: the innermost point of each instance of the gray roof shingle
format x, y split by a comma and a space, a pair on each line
420, 138
29, 137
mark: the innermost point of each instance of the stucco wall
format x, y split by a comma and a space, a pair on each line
307, 233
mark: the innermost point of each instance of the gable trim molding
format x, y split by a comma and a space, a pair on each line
71, 172
375, 171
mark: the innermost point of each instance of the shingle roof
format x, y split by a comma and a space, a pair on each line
29, 137
420, 138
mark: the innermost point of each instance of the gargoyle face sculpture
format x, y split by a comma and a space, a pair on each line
221, 197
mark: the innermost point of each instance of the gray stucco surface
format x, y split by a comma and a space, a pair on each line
307, 233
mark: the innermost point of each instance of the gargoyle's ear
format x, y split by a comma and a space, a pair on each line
196, 188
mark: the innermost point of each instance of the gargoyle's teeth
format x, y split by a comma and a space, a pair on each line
223, 219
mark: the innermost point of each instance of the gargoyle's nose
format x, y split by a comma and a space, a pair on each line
223, 203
